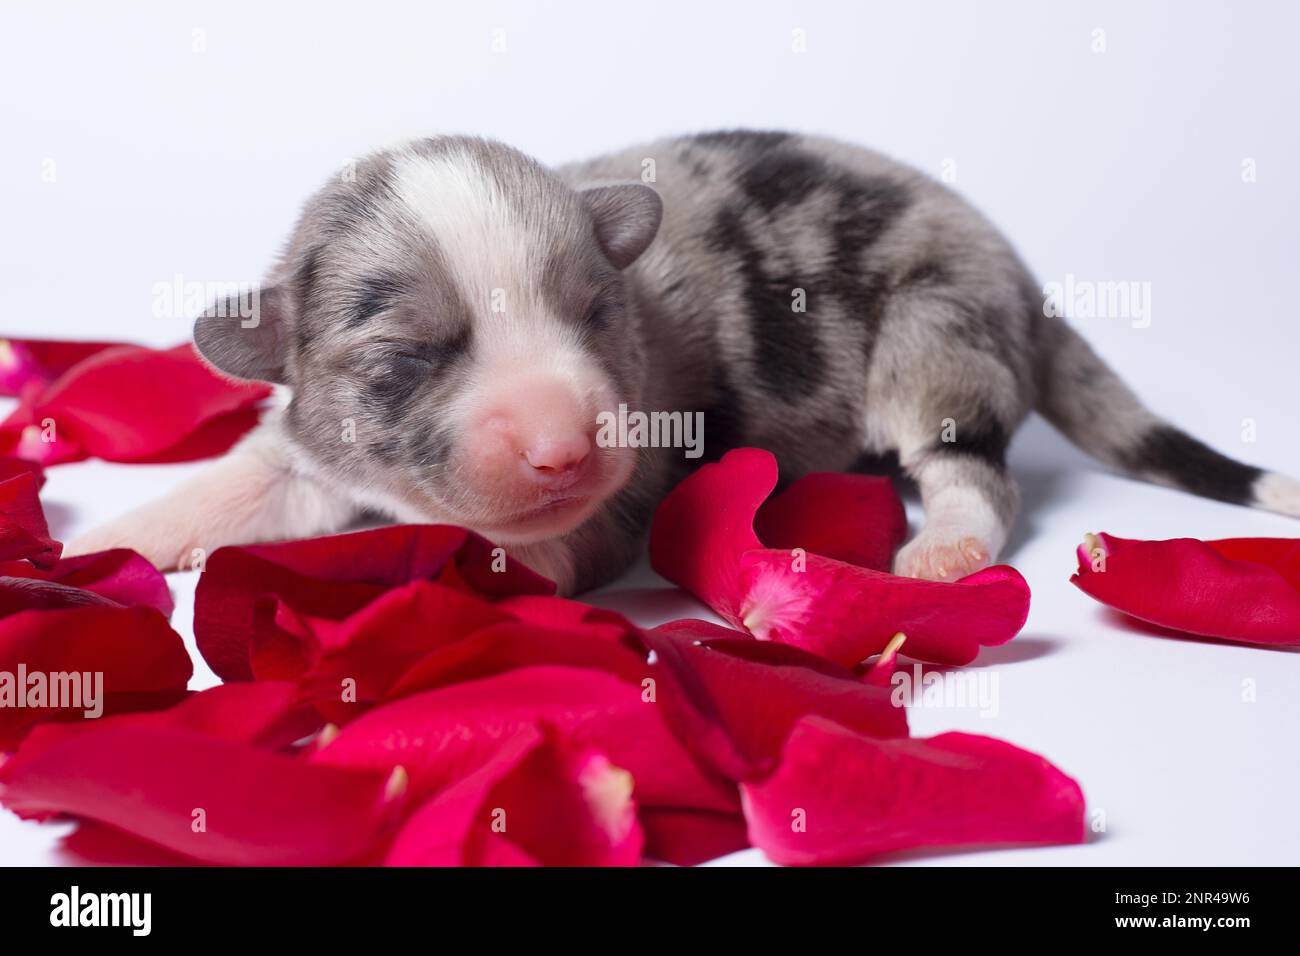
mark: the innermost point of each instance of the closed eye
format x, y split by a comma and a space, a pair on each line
437, 354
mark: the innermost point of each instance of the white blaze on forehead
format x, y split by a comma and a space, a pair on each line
496, 261
480, 236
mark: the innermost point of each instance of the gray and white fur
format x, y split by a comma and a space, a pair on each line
466, 312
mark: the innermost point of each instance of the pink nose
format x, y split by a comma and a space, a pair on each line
557, 456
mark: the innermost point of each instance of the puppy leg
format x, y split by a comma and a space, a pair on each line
250, 495
969, 505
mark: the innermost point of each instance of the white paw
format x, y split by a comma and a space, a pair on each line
942, 555
160, 550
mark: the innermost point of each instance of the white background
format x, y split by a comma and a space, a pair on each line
1114, 166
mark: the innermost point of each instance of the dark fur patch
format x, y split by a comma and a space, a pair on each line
877, 463
782, 178
724, 417
744, 140
374, 294
1193, 465
306, 279
978, 435
867, 208
788, 358
986, 330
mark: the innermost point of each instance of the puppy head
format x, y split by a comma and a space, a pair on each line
451, 319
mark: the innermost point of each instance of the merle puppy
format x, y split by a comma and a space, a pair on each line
451, 317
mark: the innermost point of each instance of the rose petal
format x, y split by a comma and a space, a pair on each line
209, 799
734, 700
101, 845
333, 577
27, 361
857, 519
266, 713
847, 613
536, 800
371, 649
439, 735
120, 576
142, 661
691, 837
703, 540
9, 467
451, 828
705, 525
129, 403
23, 531
564, 614
23, 593
1235, 589
513, 644
839, 797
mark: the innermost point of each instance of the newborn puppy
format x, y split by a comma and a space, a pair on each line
451, 319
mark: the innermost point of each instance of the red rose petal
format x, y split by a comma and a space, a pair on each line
439, 735
849, 613
1235, 589
34, 594
857, 519
569, 807
120, 576
840, 797
703, 540
27, 361
565, 614
143, 661
333, 577
98, 844
127, 404
9, 467
266, 713
23, 531
705, 525
734, 700
535, 801
452, 827
513, 644
257, 808
691, 837
374, 646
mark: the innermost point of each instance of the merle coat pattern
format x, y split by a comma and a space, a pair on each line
922, 343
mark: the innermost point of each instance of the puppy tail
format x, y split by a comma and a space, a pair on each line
1087, 401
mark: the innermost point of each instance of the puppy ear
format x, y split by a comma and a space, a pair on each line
626, 217
246, 335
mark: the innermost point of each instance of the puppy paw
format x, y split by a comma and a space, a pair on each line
160, 550
941, 556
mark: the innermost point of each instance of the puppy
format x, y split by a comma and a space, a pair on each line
452, 319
